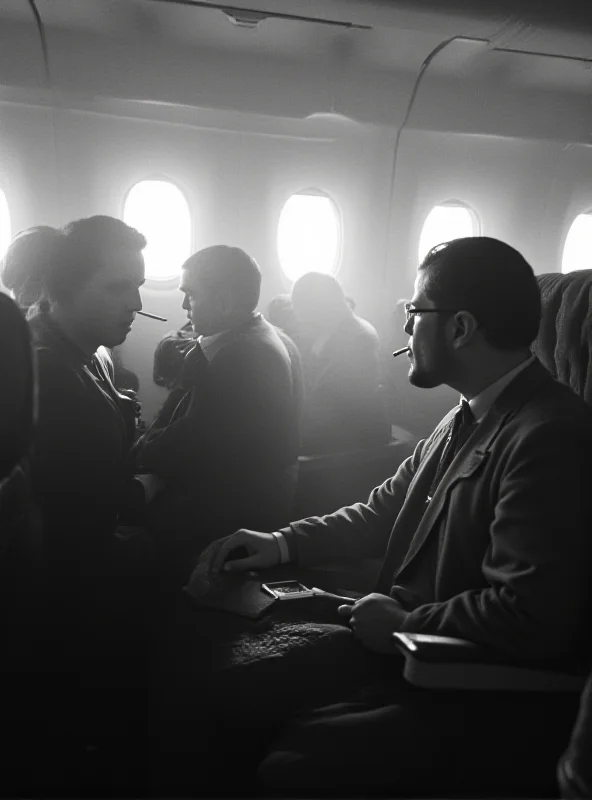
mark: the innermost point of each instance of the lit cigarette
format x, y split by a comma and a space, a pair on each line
322, 593
397, 352
152, 316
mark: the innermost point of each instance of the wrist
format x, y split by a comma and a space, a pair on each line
284, 553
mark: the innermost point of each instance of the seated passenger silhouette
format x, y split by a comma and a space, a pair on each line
81, 464
228, 451
484, 534
344, 407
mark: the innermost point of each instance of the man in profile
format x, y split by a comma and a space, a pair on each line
484, 533
228, 451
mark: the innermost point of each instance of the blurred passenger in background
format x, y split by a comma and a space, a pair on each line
27, 260
169, 355
344, 405
281, 314
168, 365
228, 451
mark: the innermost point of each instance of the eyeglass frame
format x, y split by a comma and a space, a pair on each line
410, 311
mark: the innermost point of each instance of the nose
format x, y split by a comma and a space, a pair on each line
186, 306
408, 327
136, 301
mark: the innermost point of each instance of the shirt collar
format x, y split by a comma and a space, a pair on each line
481, 404
206, 342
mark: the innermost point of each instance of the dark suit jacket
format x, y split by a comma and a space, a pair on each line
344, 407
81, 468
501, 554
229, 451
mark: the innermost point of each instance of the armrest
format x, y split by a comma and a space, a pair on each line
440, 662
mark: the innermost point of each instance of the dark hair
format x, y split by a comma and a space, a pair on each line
30, 258
491, 280
229, 268
85, 241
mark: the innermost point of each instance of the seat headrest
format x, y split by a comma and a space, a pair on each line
564, 342
16, 386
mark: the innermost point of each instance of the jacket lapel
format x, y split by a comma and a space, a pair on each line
475, 452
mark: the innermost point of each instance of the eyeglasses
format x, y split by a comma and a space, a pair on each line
411, 310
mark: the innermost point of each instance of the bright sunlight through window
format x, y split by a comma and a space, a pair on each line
577, 253
159, 211
309, 235
444, 223
4, 224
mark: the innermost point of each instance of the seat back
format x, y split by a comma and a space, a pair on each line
564, 343
16, 386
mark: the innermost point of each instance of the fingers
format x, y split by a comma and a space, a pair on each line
345, 611
229, 544
243, 564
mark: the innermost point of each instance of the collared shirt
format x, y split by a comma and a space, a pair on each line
481, 404
207, 342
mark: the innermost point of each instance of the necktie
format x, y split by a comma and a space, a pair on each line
462, 427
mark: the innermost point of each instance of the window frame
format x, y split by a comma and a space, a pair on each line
314, 192
9, 220
564, 238
450, 203
173, 282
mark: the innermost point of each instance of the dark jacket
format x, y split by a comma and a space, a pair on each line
344, 406
501, 554
229, 450
81, 466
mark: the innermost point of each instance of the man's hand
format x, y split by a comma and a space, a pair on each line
262, 548
373, 619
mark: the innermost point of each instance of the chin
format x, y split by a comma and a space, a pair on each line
115, 339
423, 379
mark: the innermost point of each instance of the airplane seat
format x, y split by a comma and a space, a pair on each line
564, 343
328, 482
21, 557
564, 346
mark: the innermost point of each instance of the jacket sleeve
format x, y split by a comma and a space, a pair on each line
537, 564
358, 531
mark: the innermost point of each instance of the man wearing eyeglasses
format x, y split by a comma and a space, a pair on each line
484, 531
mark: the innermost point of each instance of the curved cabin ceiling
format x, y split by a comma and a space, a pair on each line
174, 55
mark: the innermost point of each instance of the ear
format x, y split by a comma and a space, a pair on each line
464, 327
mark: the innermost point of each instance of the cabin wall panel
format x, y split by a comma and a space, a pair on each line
525, 192
27, 166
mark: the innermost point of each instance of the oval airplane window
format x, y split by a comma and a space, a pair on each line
159, 210
444, 223
309, 234
4, 224
577, 253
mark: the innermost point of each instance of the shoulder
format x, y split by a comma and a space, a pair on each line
258, 342
555, 424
